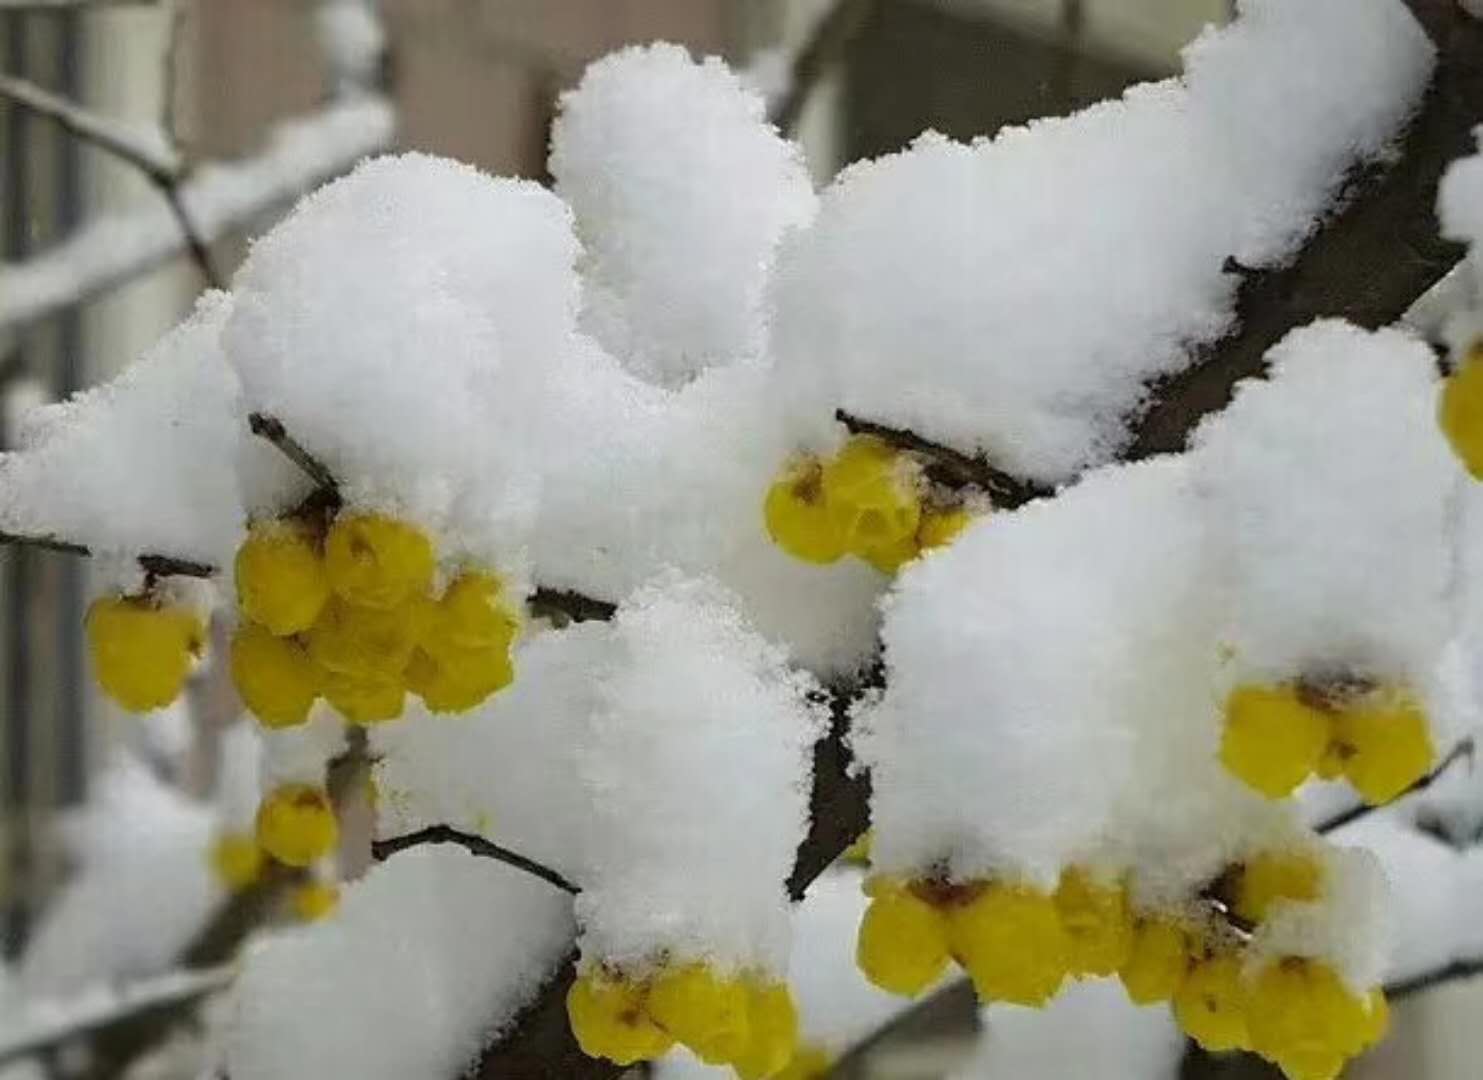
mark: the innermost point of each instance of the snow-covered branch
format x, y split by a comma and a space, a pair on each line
44, 1024
153, 564
478, 845
218, 197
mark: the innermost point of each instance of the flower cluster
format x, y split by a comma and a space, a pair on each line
296, 827
744, 1020
1275, 737
347, 613
1019, 944
870, 500
143, 646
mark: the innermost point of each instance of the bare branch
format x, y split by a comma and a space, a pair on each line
478, 845
271, 428
947, 466
153, 564
953, 1007
1463, 749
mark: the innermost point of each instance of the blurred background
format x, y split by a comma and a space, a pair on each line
94, 269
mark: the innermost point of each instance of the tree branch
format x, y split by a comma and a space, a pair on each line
569, 605
1463, 749
953, 1006
271, 428
1367, 263
478, 845
947, 466
1456, 971
152, 564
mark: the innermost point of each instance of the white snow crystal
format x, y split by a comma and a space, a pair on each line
1327, 488
681, 190
142, 887
145, 463
1015, 295
426, 958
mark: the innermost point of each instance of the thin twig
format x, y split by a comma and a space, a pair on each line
149, 152
1464, 749
478, 845
1453, 972
271, 428
153, 564
947, 466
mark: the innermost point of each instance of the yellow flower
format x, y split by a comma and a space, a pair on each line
1097, 921
366, 642
1302, 1016
609, 1020
281, 580
1210, 1003
1273, 740
903, 943
274, 676
365, 699
1387, 744
772, 1020
376, 561
1460, 411
706, 1012
940, 526
236, 860
1010, 940
296, 825
1158, 961
797, 519
457, 681
316, 900
142, 650
470, 618
870, 491
1272, 877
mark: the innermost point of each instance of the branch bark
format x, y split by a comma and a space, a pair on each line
382, 850
154, 565
1367, 263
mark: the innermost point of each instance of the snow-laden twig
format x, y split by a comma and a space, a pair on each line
1464, 749
478, 845
300, 154
271, 429
45, 1024
153, 564
1456, 971
148, 150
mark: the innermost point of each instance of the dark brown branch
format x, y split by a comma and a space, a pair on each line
947, 466
569, 606
478, 845
824, 49
152, 564
271, 428
1462, 750
1366, 264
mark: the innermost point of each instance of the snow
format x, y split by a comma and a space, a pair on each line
600, 761
1091, 1029
1331, 482
1014, 296
418, 407
987, 752
427, 957
142, 464
681, 190
1460, 207
142, 887
677, 864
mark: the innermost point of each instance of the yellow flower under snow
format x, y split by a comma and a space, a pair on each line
142, 649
